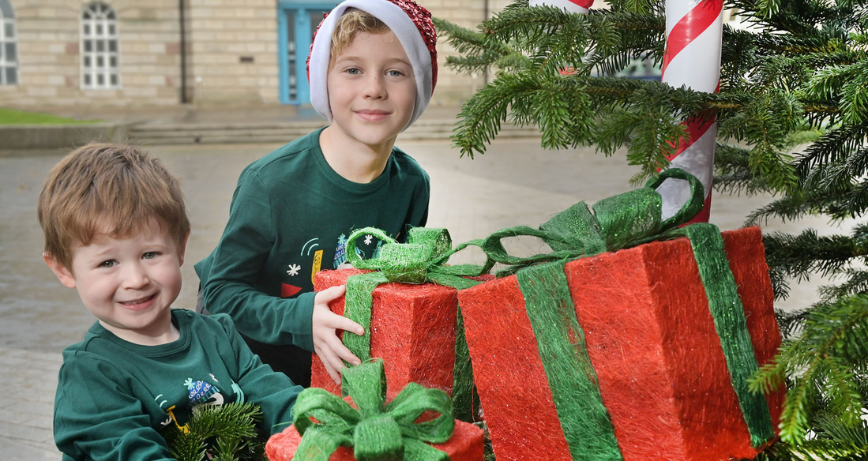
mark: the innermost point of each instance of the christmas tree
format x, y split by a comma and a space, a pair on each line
792, 113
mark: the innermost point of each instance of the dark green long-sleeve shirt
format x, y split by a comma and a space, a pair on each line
289, 218
113, 397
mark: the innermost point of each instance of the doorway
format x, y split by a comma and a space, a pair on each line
296, 23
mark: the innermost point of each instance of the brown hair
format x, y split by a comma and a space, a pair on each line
107, 188
351, 23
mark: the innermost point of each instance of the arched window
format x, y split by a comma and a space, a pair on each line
99, 47
8, 45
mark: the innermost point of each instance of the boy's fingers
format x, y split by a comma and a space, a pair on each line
344, 354
330, 294
333, 372
331, 362
342, 323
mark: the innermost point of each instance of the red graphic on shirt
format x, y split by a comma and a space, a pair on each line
287, 290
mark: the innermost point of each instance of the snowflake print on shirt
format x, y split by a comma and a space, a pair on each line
293, 270
368, 239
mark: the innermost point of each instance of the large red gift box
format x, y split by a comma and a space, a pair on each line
413, 328
466, 444
652, 342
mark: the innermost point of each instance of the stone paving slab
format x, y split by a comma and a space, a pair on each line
29, 380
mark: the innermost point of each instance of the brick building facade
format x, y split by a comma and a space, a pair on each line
163, 52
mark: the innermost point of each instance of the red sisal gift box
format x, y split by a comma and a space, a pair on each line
652, 343
413, 328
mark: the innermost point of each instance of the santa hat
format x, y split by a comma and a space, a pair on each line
409, 22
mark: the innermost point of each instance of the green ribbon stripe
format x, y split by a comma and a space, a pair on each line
587, 428
377, 431
618, 222
731, 325
422, 259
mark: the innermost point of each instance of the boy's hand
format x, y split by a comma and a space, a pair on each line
326, 344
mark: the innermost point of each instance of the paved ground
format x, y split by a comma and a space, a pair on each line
515, 183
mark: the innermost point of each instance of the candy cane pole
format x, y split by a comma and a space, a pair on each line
573, 6
694, 30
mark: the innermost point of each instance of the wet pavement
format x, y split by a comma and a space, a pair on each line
515, 183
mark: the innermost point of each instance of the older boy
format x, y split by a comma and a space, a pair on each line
115, 230
372, 68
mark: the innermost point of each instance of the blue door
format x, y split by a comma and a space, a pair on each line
296, 23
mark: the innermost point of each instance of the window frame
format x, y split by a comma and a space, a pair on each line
7, 23
99, 43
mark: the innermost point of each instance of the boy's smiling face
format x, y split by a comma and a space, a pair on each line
372, 90
128, 283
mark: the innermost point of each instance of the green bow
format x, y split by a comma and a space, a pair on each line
378, 431
617, 222
422, 259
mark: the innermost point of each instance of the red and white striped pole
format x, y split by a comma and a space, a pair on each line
573, 6
694, 31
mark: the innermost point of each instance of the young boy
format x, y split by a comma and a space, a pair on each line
372, 70
115, 230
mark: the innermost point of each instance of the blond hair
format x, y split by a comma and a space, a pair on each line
107, 189
350, 24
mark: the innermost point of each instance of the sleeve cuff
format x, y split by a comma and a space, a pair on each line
303, 323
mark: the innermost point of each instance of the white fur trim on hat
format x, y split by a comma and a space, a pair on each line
401, 25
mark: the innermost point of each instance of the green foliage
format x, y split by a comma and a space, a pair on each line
18, 117
826, 365
792, 116
220, 433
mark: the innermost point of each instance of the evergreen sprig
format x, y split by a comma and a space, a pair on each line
828, 361
800, 257
220, 433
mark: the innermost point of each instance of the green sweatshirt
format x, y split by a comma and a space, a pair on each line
289, 218
113, 397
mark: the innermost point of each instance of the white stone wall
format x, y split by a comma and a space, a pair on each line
223, 32
49, 57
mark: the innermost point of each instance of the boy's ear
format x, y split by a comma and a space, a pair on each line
183, 249
63, 274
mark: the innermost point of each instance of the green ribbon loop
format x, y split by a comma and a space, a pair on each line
614, 223
426, 252
377, 431
422, 259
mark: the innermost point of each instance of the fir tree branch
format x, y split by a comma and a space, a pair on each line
798, 17
828, 450
227, 432
733, 172
791, 323
832, 146
817, 359
480, 53
800, 256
